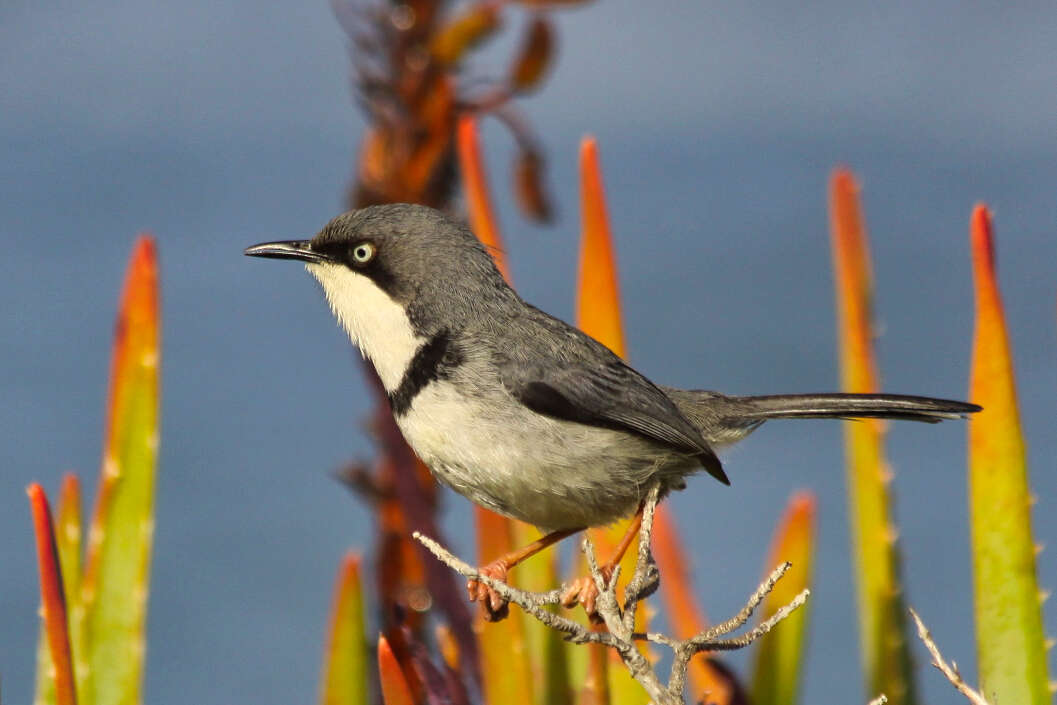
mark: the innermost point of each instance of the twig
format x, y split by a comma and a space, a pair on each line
620, 618
948, 670
531, 602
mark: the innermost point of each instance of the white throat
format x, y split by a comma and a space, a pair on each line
376, 324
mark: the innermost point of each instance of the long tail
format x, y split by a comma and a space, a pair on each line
724, 420
856, 406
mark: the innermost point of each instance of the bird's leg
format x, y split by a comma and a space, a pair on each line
583, 590
493, 606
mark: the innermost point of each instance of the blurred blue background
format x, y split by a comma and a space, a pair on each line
216, 124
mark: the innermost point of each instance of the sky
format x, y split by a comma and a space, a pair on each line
219, 124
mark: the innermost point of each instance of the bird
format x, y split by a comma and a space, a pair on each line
516, 410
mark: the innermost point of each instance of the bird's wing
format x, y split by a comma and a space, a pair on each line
610, 395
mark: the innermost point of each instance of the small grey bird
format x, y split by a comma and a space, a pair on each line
517, 410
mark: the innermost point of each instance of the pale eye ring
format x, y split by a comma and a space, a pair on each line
363, 253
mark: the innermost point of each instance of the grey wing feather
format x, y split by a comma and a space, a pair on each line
611, 395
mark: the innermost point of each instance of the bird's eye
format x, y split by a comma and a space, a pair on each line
363, 253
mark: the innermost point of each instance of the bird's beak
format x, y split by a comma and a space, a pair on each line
287, 249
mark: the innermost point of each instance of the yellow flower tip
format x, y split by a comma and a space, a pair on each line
1053, 687
1039, 548
891, 534
1043, 596
1050, 642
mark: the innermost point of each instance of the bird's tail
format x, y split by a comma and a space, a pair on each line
724, 420
855, 406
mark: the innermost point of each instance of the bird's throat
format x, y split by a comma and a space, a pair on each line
375, 323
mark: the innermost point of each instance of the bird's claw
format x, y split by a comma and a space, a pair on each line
494, 606
584, 591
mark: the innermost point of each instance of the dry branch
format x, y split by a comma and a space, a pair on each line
619, 617
949, 670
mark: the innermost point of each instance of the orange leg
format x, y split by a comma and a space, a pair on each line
494, 607
583, 590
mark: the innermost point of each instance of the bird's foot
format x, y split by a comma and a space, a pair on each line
584, 591
493, 606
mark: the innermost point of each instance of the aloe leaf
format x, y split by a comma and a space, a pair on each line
780, 653
709, 681
53, 600
395, 688
345, 664
882, 616
1009, 634
475, 185
67, 530
115, 584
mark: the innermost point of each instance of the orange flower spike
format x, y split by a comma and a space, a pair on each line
475, 183
53, 598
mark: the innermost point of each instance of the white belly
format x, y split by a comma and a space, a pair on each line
554, 474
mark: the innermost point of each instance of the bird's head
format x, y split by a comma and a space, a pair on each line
395, 275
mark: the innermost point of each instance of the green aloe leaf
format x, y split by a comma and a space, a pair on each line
345, 661
1009, 635
882, 615
115, 585
780, 654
